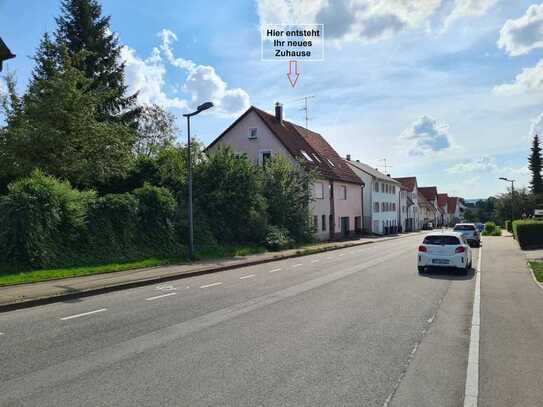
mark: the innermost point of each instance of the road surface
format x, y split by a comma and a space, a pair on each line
353, 327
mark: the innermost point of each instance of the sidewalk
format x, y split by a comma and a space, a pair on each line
511, 341
26, 295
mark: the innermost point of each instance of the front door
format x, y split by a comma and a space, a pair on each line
345, 226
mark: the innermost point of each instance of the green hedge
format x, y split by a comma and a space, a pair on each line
491, 229
46, 223
508, 226
529, 233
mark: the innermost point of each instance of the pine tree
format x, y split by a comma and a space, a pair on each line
83, 29
535, 164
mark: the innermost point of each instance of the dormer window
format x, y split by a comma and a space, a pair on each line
331, 163
253, 133
306, 156
316, 158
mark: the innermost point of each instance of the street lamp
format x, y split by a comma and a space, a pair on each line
199, 109
512, 181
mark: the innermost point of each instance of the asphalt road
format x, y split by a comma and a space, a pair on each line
353, 327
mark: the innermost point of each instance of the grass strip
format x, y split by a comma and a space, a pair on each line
537, 267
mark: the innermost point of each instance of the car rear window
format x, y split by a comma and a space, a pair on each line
441, 240
464, 227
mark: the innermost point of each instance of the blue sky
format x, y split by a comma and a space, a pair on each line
447, 90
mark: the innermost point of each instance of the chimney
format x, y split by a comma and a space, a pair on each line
279, 112
348, 157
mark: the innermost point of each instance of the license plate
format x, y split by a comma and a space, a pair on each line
440, 261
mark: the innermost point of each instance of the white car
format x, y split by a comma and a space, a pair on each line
444, 249
469, 232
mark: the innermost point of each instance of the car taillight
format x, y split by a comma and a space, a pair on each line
460, 249
422, 248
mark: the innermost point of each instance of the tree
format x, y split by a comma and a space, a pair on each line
84, 31
57, 128
524, 204
535, 165
287, 190
156, 130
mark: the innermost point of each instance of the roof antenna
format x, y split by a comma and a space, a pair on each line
385, 166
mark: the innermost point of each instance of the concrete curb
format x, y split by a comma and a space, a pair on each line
32, 302
532, 273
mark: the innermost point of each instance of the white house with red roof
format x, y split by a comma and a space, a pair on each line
337, 195
413, 220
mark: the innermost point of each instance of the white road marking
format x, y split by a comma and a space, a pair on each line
340, 255
83, 314
471, 392
247, 276
165, 287
211, 285
159, 296
1, 333
297, 265
274, 270
315, 261
329, 257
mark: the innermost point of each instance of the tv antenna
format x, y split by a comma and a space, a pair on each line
385, 166
306, 109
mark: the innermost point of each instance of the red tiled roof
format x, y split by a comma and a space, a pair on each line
297, 139
424, 201
442, 199
408, 182
430, 193
451, 204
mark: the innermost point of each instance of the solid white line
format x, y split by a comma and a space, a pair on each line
274, 270
315, 261
159, 296
210, 285
83, 314
248, 276
471, 393
297, 265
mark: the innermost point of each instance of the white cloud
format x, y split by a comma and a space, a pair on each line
469, 8
426, 136
520, 36
349, 20
201, 82
482, 165
537, 126
530, 80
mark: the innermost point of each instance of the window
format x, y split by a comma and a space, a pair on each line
316, 222
376, 207
383, 207
306, 156
265, 156
376, 187
393, 189
342, 192
323, 221
319, 190
253, 133
441, 240
383, 187
316, 158
375, 226
331, 163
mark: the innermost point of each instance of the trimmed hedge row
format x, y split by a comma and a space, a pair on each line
528, 233
491, 229
47, 223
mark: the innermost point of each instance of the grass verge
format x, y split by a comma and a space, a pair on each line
537, 267
32, 276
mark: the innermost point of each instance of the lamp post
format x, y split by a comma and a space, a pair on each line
199, 109
512, 181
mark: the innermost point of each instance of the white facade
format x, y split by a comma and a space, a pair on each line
381, 199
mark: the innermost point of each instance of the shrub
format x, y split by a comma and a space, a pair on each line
508, 226
529, 233
277, 238
42, 221
156, 221
490, 228
112, 227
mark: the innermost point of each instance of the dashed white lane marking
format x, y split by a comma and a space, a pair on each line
83, 314
315, 261
274, 270
341, 255
471, 392
329, 257
211, 285
159, 296
1, 333
247, 276
297, 265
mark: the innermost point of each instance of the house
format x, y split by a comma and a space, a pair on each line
442, 201
404, 209
5, 53
430, 193
455, 209
337, 192
412, 221
381, 199
427, 212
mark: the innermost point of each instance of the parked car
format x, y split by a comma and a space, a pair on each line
444, 249
480, 227
469, 232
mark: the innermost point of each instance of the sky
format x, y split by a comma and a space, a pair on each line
449, 91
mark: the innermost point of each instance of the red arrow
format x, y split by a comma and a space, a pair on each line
293, 77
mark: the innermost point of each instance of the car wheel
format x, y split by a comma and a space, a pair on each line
421, 269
